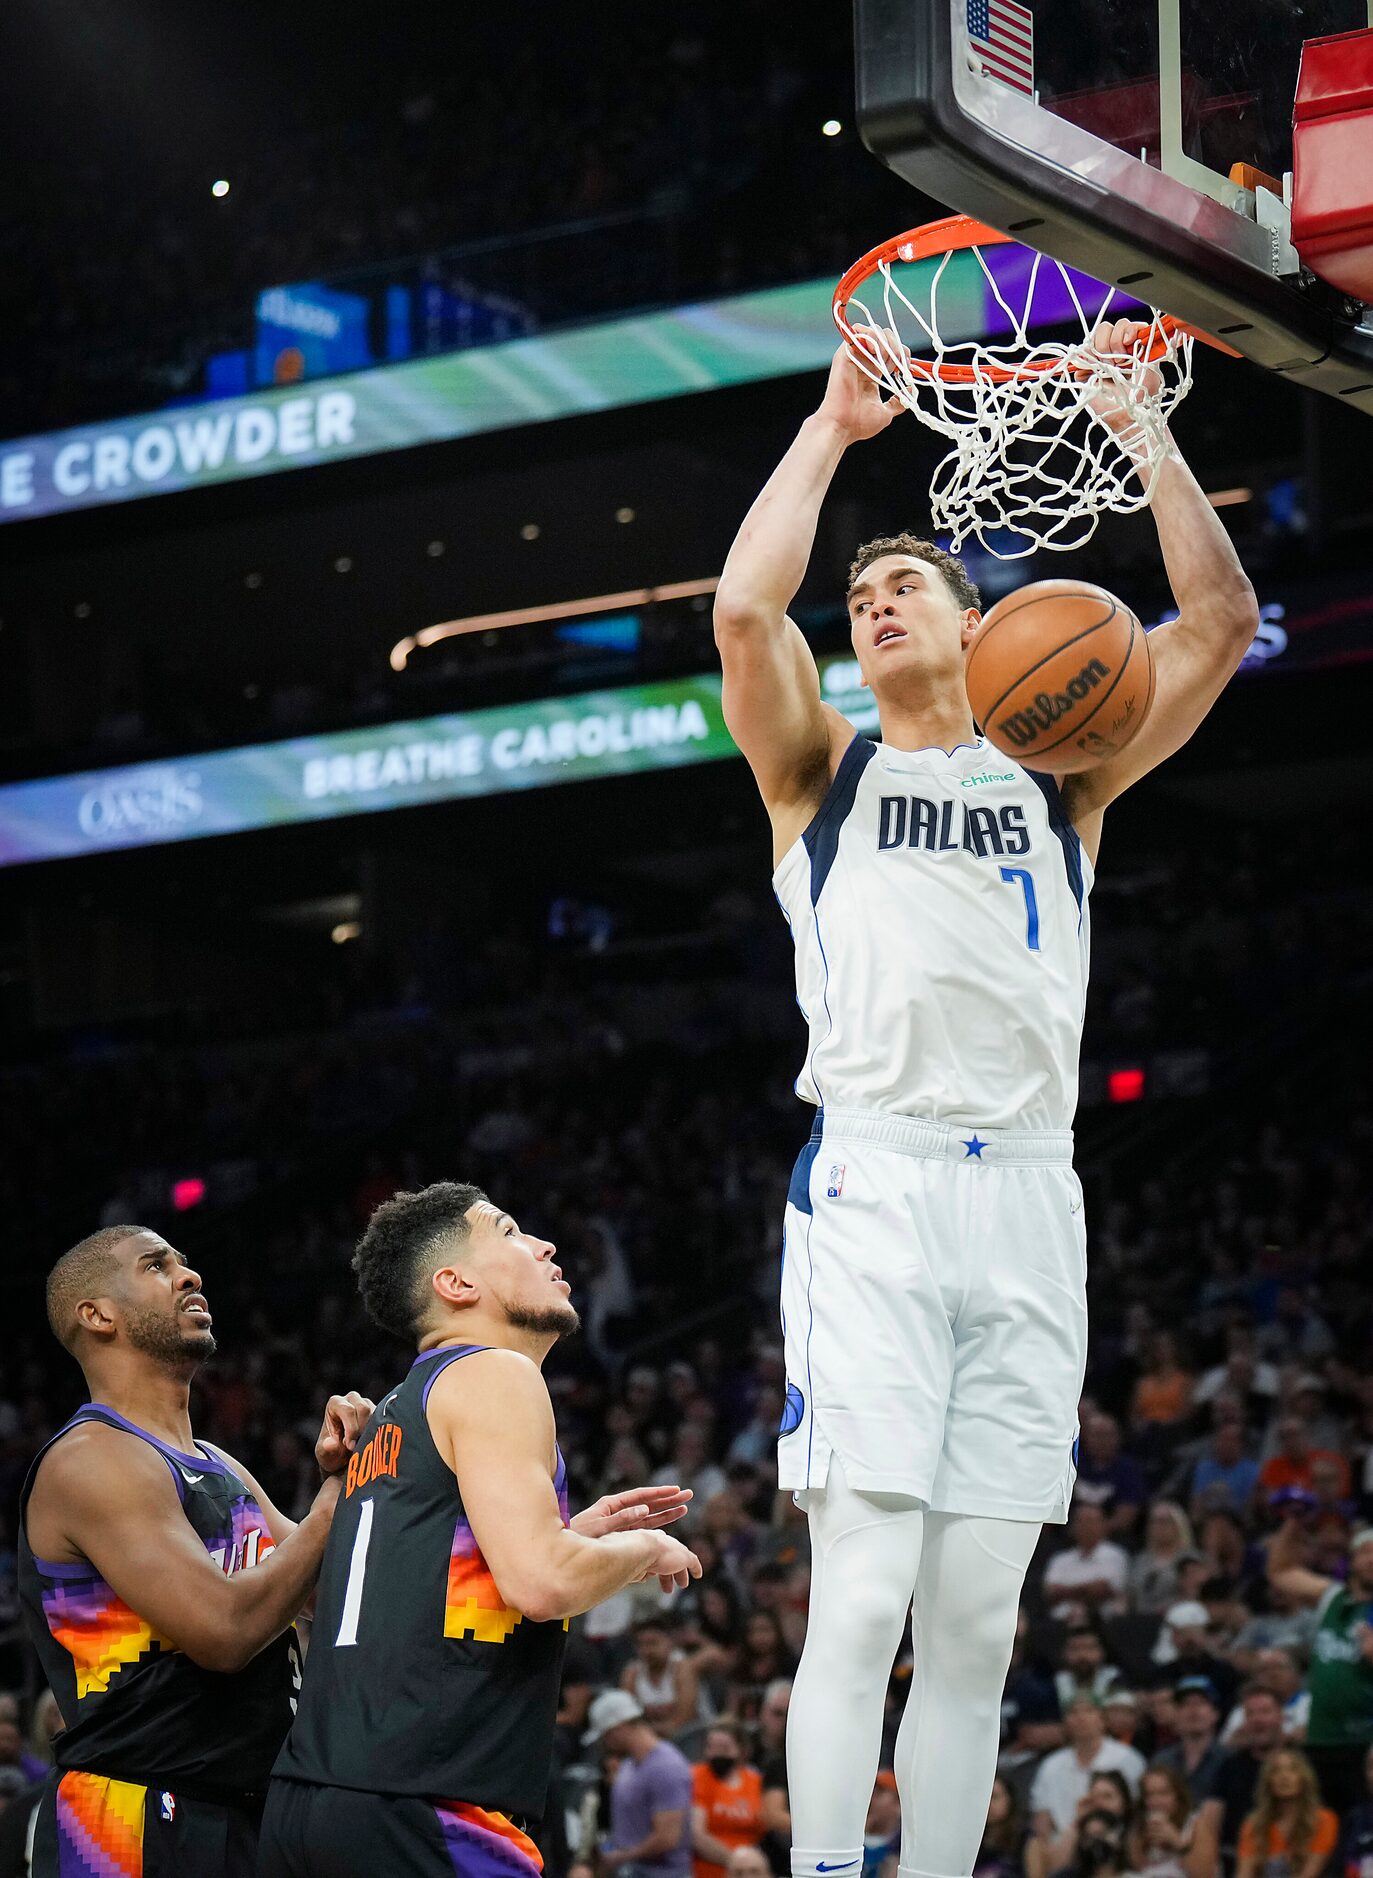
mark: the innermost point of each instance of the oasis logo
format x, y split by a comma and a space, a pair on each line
1025, 727
154, 803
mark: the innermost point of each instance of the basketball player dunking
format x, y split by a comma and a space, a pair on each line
425, 1733
159, 1584
933, 1286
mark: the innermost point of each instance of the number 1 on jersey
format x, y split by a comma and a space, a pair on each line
1027, 885
357, 1568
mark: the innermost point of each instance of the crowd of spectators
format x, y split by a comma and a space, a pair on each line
706, 135
1168, 1707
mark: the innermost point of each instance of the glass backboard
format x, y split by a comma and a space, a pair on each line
1108, 133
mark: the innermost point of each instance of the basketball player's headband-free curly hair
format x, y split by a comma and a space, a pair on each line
401, 1248
956, 577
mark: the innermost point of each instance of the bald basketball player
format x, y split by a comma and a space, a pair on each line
159, 1583
933, 1290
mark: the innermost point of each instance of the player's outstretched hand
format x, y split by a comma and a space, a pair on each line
345, 1417
636, 1511
852, 399
671, 1563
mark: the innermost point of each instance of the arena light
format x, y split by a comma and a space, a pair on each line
559, 610
1125, 1085
220, 188
187, 1194
831, 127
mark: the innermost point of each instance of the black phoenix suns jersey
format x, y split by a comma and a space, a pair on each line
134, 1706
421, 1679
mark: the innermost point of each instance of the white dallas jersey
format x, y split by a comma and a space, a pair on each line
938, 903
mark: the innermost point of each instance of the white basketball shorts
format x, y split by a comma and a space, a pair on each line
934, 1313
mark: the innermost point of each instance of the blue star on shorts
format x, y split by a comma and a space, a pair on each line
974, 1148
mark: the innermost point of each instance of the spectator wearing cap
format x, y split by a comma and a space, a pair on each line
1183, 1648
1115, 1481
1120, 1711
726, 1801
1064, 1776
650, 1801
1339, 1728
1168, 1539
882, 1828
1197, 1753
1093, 1571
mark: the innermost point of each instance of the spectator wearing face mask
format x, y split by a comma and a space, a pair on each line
726, 1802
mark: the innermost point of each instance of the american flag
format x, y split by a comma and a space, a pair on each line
1003, 36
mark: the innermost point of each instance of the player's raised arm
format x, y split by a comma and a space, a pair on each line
118, 1507
1196, 654
492, 1422
772, 690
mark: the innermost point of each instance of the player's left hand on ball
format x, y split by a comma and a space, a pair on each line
639, 1510
345, 1417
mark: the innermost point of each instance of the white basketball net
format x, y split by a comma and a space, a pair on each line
1032, 463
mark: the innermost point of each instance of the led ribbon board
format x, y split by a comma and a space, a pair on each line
705, 347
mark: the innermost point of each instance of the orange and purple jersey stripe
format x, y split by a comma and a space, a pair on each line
473, 1607
99, 1827
486, 1845
96, 1628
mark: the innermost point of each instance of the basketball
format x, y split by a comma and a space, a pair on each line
1060, 675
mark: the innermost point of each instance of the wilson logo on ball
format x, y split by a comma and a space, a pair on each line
1024, 726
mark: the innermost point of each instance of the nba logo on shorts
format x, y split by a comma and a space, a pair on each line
169, 1807
836, 1182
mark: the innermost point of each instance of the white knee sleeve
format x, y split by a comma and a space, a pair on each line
963, 1628
865, 1555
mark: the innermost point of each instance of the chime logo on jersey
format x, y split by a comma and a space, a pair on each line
836, 1181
